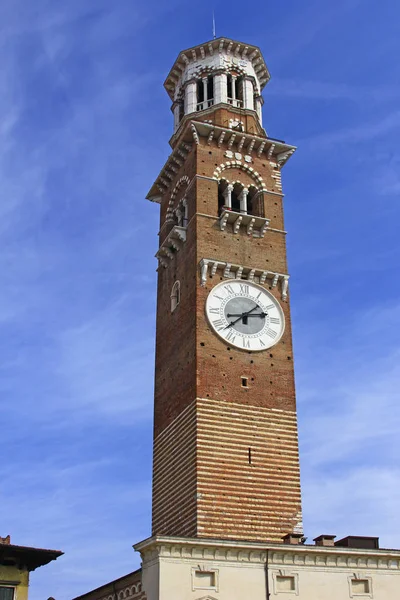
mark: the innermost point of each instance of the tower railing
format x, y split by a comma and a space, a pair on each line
205, 104
235, 102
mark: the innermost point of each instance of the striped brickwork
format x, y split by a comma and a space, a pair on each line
225, 470
247, 471
174, 477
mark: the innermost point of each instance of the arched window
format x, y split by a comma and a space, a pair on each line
200, 94
205, 92
210, 90
237, 189
175, 295
241, 199
235, 90
255, 202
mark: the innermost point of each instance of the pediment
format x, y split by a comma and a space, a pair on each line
207, 598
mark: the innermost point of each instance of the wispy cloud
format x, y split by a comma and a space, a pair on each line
328, 90
349, 411
364, 132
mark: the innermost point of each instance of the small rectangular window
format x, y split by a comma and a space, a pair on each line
6, 593
244, 381
204, 579
285, 583
360, 586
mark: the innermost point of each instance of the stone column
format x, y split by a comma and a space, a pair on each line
175, 109
248, 93
243, 200
259, 108
228, 195
234, 89
190, 97
220, 88
205, 91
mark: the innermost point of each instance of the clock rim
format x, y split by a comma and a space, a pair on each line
255, 285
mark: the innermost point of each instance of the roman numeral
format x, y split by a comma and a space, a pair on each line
261, 343
214, 311
246, 343
257, 297
219, 324
230, 289
270, 306
275, 320
230, 337
272, 333
219, 297
244, 289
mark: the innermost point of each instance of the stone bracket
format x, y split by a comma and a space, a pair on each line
255, 226
171, 245
210, 266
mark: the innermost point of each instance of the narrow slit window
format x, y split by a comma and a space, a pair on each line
249, 455
245, 381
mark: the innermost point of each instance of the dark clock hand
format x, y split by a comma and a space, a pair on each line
245, 314
262, 314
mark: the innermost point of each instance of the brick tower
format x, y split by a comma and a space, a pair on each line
225, 431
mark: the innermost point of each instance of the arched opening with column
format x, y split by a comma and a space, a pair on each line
255, 202
237, 197
205, 92
235, 89
242, 194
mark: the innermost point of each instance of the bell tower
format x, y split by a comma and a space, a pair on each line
225, 430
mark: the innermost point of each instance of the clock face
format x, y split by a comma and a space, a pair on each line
245, 315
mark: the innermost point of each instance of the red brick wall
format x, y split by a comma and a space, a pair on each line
199, 495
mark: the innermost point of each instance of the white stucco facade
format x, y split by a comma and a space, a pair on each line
193, 569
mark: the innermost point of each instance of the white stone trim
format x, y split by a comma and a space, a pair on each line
171, 245
210, 266
237, 164
321, 557
206, 569
255, 226
363, 577
285, 573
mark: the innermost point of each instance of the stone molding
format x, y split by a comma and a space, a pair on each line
253, 553
171, 245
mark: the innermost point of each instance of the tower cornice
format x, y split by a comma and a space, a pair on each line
194, 131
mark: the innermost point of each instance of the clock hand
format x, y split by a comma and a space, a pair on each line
262, 314
245, 314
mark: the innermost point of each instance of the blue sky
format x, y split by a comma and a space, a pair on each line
84, 124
